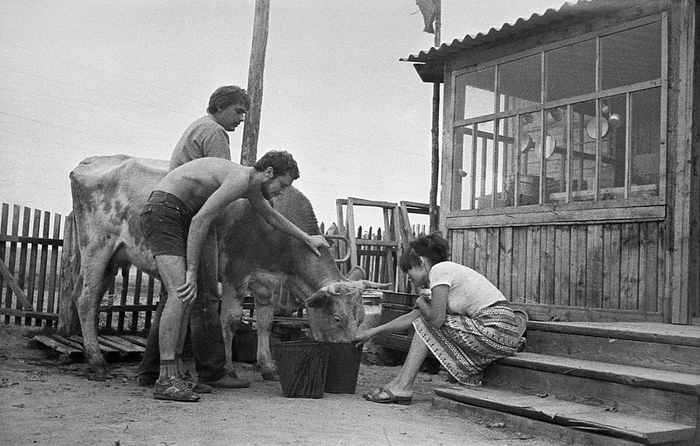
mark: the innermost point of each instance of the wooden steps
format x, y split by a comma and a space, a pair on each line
635, 383
658, 346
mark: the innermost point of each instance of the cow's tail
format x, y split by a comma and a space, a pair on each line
71, 278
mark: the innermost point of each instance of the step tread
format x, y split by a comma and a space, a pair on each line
567, 413
635, 331
625, 374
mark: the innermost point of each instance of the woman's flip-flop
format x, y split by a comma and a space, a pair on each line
375, 398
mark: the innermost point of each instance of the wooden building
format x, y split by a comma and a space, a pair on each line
570, 159
570, 179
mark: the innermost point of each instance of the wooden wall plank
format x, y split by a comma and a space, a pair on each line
532, 277
581, 261
469, 248
562, 265
629, 269
457, 244
481, 250
662, 301
611, 266
505, 260
547, 267
492, 253
594, 266
519, 278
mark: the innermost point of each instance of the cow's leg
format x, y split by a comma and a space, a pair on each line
264, 315
231, 318
95, 283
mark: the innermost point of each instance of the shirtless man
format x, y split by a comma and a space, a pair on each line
175, 221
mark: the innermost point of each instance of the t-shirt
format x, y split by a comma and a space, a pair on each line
468, 291
203, 138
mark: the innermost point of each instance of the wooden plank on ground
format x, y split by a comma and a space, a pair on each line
103, 347
593, 418
138, 340
122, 344
56, 345
530, 427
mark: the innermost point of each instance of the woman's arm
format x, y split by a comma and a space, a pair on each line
401, 323
435, 309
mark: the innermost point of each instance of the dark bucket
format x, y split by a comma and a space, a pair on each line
343, 367
302, 368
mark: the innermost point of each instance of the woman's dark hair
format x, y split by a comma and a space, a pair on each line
282, 163
432, 246
224, 97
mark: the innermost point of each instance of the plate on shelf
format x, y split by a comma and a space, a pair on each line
592, 128
549, 145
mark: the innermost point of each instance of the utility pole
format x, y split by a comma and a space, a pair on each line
435, 133
251, 127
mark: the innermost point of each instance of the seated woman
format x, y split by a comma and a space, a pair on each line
465, 321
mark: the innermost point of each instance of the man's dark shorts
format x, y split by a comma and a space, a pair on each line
165, 222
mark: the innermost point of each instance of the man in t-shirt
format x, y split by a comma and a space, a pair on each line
205, 137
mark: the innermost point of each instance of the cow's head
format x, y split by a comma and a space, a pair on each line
336, 311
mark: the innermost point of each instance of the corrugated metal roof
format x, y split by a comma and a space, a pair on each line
578, 10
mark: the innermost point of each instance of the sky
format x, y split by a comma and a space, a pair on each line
80, 78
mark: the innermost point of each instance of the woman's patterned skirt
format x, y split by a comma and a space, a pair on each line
466, 345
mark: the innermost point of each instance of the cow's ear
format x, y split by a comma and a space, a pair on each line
356, 273
318, 300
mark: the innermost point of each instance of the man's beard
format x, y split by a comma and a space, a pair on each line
265, 192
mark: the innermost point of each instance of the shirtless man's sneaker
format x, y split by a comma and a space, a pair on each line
175, 389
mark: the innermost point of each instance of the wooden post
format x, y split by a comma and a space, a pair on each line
435, 132
251, 127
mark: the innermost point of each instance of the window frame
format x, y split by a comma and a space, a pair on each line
637, 208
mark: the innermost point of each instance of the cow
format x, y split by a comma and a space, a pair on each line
108, 193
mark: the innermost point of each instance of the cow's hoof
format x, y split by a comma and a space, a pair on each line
270, 376
99, 372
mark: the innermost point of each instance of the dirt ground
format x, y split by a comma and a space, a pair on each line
44, 401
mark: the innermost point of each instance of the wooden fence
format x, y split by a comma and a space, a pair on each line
32, 281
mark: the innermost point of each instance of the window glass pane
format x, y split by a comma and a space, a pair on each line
646, 142
554, 147
631, 56
529, 163
583, 149
462, 178
484, 174
474, 95
570, 71
508, 151
613, 147
520, 83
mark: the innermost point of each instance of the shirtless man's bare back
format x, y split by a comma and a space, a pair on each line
175, 221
